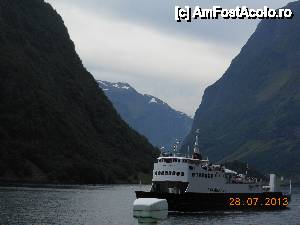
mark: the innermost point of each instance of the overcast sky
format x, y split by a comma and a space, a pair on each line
139, 42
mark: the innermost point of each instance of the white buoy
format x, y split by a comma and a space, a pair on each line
150, 204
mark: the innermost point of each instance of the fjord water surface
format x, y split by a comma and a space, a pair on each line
112, 205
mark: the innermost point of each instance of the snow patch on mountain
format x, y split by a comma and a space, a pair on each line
153, 100
105, 85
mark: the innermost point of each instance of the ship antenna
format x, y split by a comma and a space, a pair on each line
188, 152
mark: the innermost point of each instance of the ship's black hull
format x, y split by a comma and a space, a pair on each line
197, 202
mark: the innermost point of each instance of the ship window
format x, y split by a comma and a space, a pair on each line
182, 173
178, 160
162, 172
168, 160
191, 168
215, 175
155, 173
178, 173
158, 172
166, 172
205, 175
174, 172
193, 174
202, 174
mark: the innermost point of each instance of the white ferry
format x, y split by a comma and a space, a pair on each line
192, 184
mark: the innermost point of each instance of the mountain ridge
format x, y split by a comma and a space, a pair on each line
147, 114
252, 112
57, 126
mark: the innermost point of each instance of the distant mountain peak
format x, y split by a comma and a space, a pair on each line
149, 115
125, 87
106, 85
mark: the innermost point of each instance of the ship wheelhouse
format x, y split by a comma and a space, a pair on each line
173, 174
170, 175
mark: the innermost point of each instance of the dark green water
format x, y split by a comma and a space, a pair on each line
112, 205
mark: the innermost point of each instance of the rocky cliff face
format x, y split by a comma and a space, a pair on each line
56, 125
253, 112
148, 115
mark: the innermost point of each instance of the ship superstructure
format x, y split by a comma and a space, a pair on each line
175, 174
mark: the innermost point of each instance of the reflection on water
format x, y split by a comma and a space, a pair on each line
150, 217
105, 205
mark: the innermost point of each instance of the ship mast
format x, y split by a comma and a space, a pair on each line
196, 154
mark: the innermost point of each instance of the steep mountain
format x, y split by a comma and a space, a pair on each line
56, 125
150, 116
253, 112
